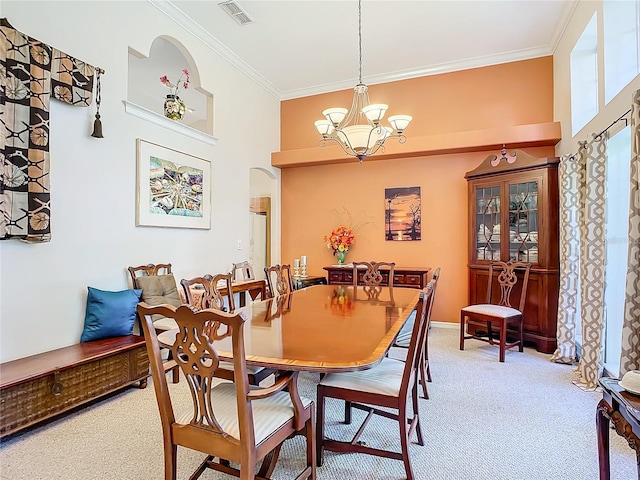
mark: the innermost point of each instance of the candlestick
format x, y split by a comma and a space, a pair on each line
303, 260
296, 267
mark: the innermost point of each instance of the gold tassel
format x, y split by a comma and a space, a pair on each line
97, 124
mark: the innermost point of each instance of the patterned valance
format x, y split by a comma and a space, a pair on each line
32, 72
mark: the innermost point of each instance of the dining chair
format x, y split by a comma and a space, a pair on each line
211, 292
372, 276
382, 390
227, 421
498, 309
279, 280
404, 337
158, 287
208, 288
245, 269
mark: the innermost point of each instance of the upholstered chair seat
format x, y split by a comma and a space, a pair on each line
384, 379
493, 310
269, 414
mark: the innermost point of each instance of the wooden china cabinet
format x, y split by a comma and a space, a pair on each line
513, 215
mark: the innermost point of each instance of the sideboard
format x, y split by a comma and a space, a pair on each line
415, 277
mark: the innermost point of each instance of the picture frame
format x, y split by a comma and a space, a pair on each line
173, 189
403, 214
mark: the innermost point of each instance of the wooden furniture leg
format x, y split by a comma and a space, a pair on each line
603, 413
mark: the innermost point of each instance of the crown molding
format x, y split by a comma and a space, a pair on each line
189, 24
173, 12
448, 67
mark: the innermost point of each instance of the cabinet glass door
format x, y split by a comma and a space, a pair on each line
523, 222
488, 223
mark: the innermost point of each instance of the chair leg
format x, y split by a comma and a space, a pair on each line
347, 412
320, 427
503, 339
310, 433
175, 373
462, 318
170, 461
521, 333
416, 416
405, 440
426, 360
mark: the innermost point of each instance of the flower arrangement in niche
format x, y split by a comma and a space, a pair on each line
183, 82
174, 107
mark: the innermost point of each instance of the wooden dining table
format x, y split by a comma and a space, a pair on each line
322, 328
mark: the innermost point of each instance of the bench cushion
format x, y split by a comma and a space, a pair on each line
109, 314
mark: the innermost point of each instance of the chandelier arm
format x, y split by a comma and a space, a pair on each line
346, 144
351, 152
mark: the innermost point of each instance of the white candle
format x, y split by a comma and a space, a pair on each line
303, 260
296, 263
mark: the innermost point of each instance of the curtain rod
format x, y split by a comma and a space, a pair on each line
621, 117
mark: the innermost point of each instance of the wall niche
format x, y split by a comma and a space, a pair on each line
146, 94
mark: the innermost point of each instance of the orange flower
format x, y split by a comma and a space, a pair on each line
340, 239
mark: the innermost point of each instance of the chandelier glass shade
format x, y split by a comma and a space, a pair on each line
359, 130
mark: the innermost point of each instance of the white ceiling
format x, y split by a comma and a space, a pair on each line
304, 47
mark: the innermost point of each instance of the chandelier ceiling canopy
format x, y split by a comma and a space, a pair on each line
359, 131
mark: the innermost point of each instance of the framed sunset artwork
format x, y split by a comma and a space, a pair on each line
402, 213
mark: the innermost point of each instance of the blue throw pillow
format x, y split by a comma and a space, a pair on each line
109, 314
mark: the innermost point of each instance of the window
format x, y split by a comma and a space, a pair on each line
584, 77
617, 225
621, 45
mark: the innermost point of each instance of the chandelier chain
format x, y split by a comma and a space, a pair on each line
360, 38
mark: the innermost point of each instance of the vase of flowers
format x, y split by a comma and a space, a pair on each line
340, 239
174, 107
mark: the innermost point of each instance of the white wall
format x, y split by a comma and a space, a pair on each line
94, 237
562, 81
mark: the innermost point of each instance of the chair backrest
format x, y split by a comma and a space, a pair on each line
198, 360
372, 277
507, 279
434, 278
148, 270
418, 335
212, 296
279, 280
244, 269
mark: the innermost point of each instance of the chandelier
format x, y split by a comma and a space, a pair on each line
359, 131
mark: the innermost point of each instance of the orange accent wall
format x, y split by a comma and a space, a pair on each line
493, 97
517, 93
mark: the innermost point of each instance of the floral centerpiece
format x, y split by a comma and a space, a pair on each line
174, 108
340, 240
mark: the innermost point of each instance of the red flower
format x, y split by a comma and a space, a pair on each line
174, 89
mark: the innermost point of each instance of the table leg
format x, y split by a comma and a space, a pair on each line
603, 414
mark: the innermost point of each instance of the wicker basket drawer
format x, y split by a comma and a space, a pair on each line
65, 387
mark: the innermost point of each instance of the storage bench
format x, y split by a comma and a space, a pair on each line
38, 387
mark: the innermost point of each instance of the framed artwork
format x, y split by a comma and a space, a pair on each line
402, 213
173, 188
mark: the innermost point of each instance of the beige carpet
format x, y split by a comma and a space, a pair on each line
520, 420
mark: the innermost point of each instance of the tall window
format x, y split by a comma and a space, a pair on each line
617, 224
621, 45
584, 77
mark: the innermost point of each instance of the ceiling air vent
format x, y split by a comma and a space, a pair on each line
236, 12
